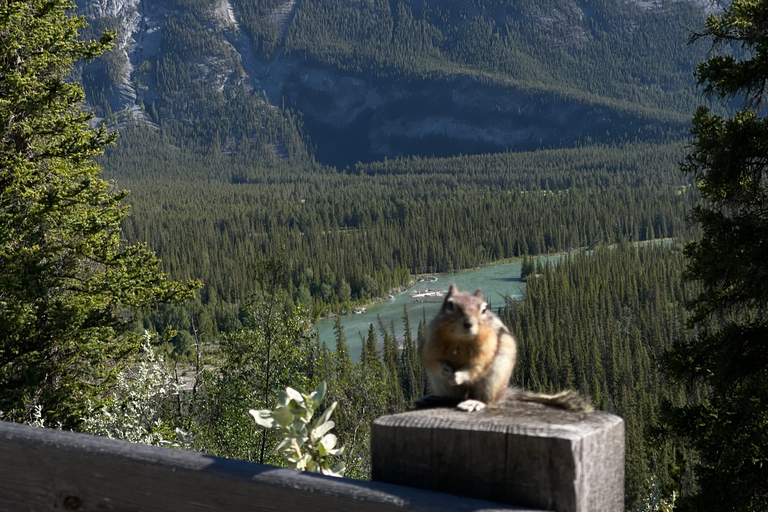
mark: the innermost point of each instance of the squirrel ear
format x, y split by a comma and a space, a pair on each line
452, 290
479, 293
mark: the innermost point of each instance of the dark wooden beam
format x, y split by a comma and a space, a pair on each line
48, 470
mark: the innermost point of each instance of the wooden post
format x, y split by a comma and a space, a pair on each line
522, 454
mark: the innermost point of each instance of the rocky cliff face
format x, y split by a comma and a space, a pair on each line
369, 119
442, 117
139, 24
128, 18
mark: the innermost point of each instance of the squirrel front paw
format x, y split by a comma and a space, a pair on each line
446, 371
459, 378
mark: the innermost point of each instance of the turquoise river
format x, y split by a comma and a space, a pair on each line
496, 281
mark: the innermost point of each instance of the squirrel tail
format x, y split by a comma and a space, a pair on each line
569, 400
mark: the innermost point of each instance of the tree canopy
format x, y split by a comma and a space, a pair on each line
68, 283
729, 160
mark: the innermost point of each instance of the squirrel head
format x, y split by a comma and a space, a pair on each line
466, 309
454, 290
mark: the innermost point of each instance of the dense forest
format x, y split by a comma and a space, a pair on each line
598, 50
219, 176
350, 236
600, 323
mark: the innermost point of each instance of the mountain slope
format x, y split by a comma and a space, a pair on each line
387, 78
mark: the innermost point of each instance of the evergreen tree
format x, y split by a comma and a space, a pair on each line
371, 350
409, 362
68, 287
390, 360
343, 361
728, 160
527, 267
273, 350
421, 379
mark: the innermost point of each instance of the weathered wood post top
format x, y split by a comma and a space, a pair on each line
523, 454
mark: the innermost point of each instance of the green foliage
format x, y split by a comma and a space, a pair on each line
226, 177
238, 380
527, 267
348, 235
730, 261
138, 405
68, 284
652, 499
259, 21
272, 350
247, 369
364, 391
304, 444
410, 368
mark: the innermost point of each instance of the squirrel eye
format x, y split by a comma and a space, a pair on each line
484, 308
449, 305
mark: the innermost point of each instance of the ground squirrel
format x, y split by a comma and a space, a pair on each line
469, 355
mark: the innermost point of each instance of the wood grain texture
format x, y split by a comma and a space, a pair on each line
48, 470
524, 454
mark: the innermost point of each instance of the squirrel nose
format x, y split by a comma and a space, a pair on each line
467, 324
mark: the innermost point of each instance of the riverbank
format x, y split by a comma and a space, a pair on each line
420, 278
497, 281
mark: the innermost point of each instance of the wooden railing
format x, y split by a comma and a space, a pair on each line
522, 457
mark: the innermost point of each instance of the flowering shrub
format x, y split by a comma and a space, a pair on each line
304, 444
134, 413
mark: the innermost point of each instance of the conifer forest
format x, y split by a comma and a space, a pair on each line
265, 164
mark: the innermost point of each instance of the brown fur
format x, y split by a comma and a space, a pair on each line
468, 352
469, 355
